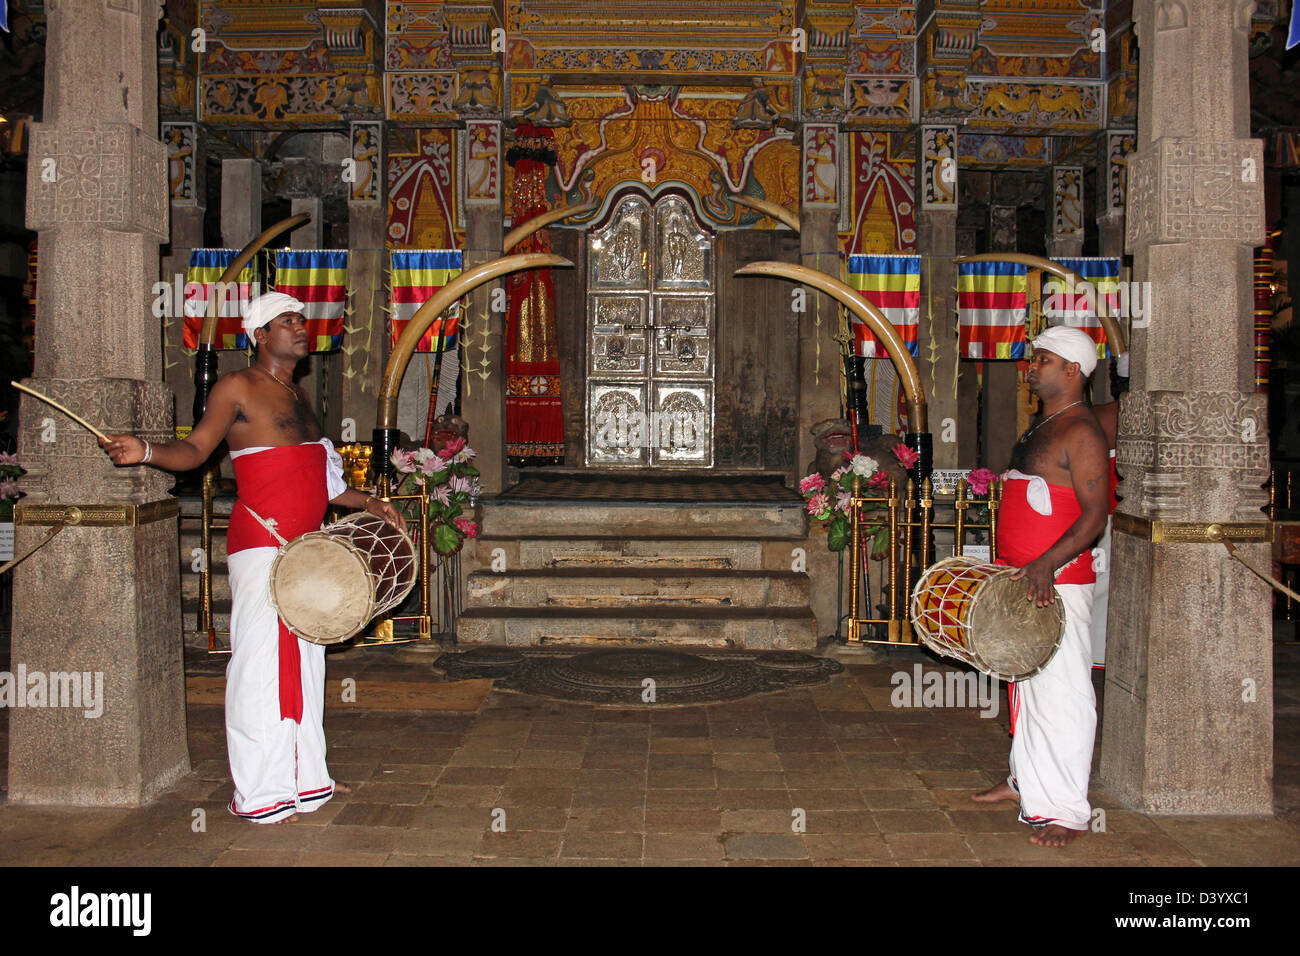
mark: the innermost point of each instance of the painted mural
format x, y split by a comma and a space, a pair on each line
421, 191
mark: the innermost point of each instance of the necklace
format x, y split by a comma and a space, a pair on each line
293, 391
1025, 437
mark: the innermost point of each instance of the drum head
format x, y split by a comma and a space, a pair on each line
322, 589
1011, 636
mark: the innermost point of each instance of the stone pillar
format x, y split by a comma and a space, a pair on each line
483, 371
359, 368
310, 235
819, 352
936, 231
1065, 235
1189, 689
101, 601
936, 228
187, 212
241, 201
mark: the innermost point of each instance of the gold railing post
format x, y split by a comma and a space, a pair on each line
927, 514
855, 555
426, 572
894, 629
205, 576
995, 499
960, 504
909, 524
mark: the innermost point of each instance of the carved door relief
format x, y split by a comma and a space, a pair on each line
650, 338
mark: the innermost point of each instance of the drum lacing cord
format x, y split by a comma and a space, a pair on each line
268, 525
54, 529
1271, 580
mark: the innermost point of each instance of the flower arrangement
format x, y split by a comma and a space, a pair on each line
829, 501
9, 493
452, 484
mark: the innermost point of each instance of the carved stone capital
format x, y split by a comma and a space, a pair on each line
1185, 189
1197, 455
112, 176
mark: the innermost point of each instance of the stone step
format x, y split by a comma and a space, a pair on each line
591, 519
621, 587
713, 628
636, 554
220, 583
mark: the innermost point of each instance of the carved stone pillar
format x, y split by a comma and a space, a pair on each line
1065, 237
483, 377
101, 601
358, 370
1189, 690
819, 352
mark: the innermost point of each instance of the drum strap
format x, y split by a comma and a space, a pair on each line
268, 525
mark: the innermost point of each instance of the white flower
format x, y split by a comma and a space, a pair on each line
863, 466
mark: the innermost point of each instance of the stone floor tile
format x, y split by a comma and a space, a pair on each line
765, 846
602, 846
847, 846
928, 846
682, 846
757, 821
912, 821
683, 821
528, 844
754, 800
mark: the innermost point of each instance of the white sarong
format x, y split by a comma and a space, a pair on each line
278, 765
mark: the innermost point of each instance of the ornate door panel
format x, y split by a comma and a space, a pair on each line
650, 338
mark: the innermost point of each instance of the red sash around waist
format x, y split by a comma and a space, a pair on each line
1024, 535
286, 485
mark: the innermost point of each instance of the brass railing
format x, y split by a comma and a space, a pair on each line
910, 549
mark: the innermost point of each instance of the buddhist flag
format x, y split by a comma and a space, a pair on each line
417, 274
318, 278
991, 308
206, 267
893, 285
1063, 305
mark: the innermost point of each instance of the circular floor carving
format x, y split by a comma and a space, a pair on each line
621, 676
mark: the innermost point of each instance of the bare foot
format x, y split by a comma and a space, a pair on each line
341, 787
1054, 836
291, 818
993, 794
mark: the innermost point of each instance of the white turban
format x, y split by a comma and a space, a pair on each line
1071, 344
266, 307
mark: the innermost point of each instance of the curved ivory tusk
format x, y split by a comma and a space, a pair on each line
777, 212
520, 233
425, 315
868, 315
1099, 305
209, 334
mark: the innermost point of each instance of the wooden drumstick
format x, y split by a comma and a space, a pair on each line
49, 401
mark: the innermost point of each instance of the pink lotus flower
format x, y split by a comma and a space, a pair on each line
878, 481
464, 455
7, 458
819, 505
842, 501
468, 528
839, 472
457, 483
441, 495
8, 488
448, 451
404, 461
813, 483
979, 481
906, 457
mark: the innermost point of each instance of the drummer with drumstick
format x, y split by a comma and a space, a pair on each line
1054, 506
287, 474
